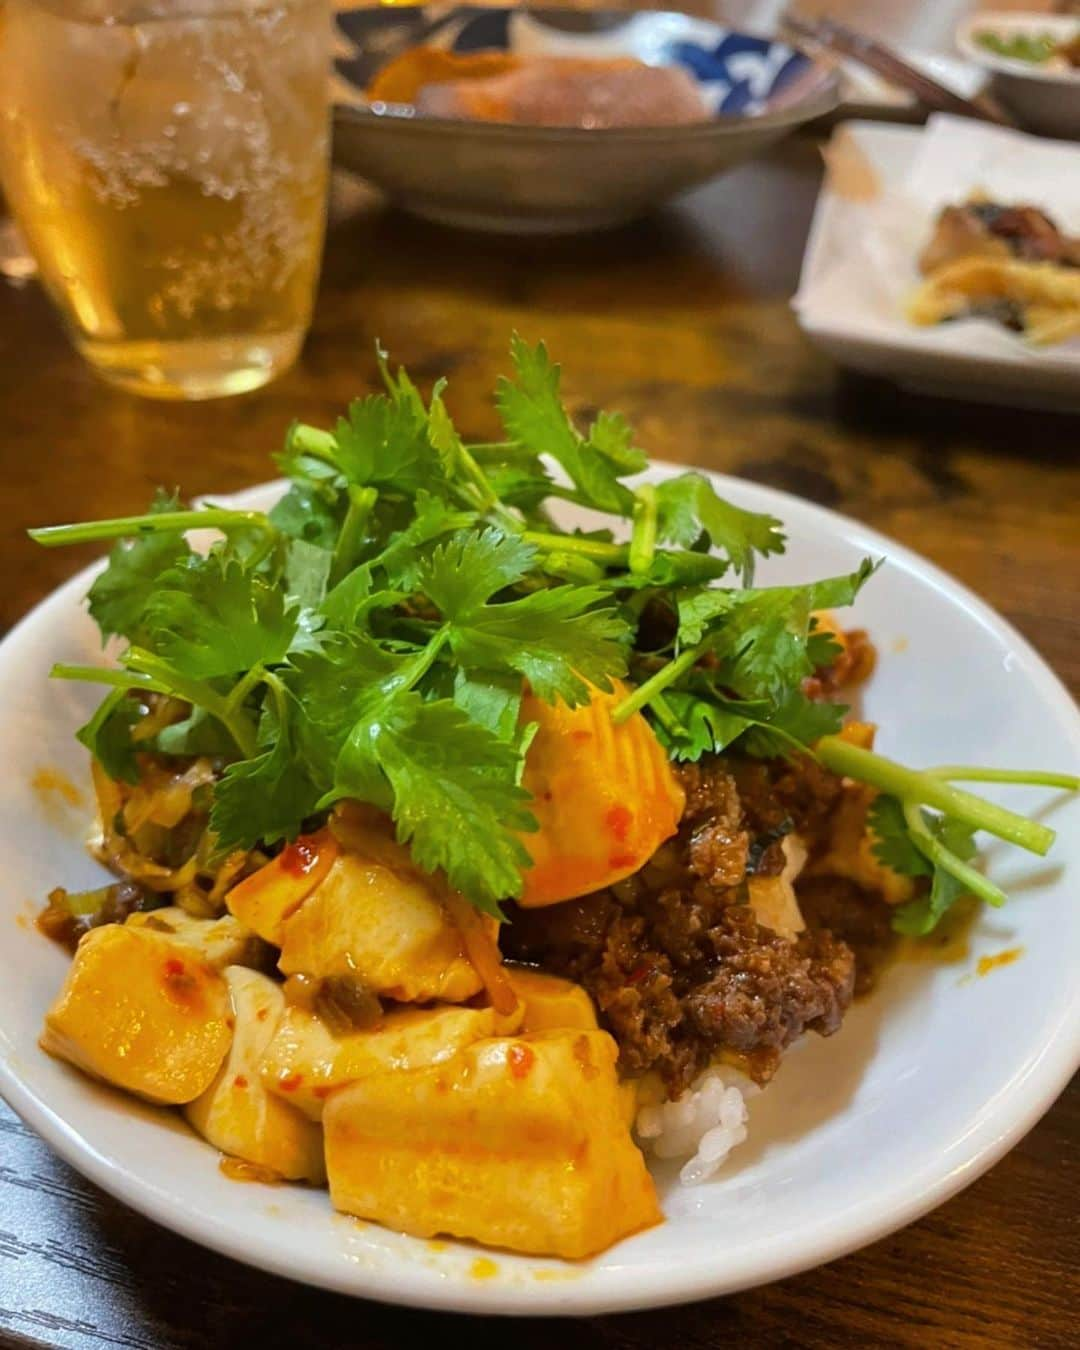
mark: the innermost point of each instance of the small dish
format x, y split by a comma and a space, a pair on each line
927, 1084
528, 179
1044, 98
860, 262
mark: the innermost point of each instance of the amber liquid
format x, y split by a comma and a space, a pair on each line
169, 176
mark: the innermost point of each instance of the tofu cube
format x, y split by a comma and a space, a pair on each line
305, 1062
264, 900
236, 1113
141, 1011
517, 1142
384, 926
549, 1002
220, 942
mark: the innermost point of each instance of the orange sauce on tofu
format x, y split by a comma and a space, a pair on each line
184, 982
302, 856
236, 1169
521, 1060
988, 963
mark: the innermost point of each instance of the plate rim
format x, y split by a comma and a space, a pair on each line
1031, 1092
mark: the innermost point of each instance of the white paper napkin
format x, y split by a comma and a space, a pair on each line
866, 257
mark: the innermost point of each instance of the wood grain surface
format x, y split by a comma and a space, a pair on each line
683, 323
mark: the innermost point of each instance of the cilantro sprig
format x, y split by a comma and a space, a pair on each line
372, 636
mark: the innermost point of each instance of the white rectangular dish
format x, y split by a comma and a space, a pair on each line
875, 211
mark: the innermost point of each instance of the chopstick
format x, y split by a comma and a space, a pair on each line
843, 41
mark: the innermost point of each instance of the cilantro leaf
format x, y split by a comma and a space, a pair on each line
533, 415
266, 798
612, 437
792, 725
894, 848
454, 790
690, 507
384, 443
765, 635
491, 698
211, 618
556, 638
468, 569
920, 916
310, 513
107, 735
118, 597
307, 570
331, 688
708, 727
892, 845
198, 734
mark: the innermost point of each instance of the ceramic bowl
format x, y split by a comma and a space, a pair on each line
1045, 100
496, 176
927, 1083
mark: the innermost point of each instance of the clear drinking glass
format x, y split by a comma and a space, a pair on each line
167, 163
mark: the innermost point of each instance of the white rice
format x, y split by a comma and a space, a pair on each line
703, 1125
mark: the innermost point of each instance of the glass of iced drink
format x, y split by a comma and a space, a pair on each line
167, 163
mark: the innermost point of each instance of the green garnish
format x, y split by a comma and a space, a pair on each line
370, 637
1034, 47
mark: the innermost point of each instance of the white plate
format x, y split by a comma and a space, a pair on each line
849, 300
927, 1084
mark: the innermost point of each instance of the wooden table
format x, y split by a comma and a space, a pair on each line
683, 323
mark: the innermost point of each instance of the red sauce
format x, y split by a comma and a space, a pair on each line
581, 735
299, 858
321, 1092
618, 861
181, 984
521, 1060
290, 1082
618, 820
240, 1081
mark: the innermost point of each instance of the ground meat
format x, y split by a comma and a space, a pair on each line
674, 958
856, 917
717, 844
764, 991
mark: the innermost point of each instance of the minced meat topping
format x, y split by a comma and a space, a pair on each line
674, 957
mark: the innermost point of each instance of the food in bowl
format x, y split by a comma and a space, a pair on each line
404, 727
1040, 48
535, 90
1008, 263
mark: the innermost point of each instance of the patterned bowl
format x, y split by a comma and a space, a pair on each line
523, 179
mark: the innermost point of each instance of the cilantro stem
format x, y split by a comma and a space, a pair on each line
942, 857
361, 504
929, 789
198, 693
612, 554
119, 679
656, 684
412, 673
240, 690
314, 442
643, 539
127, 527
971, 773
665, 715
